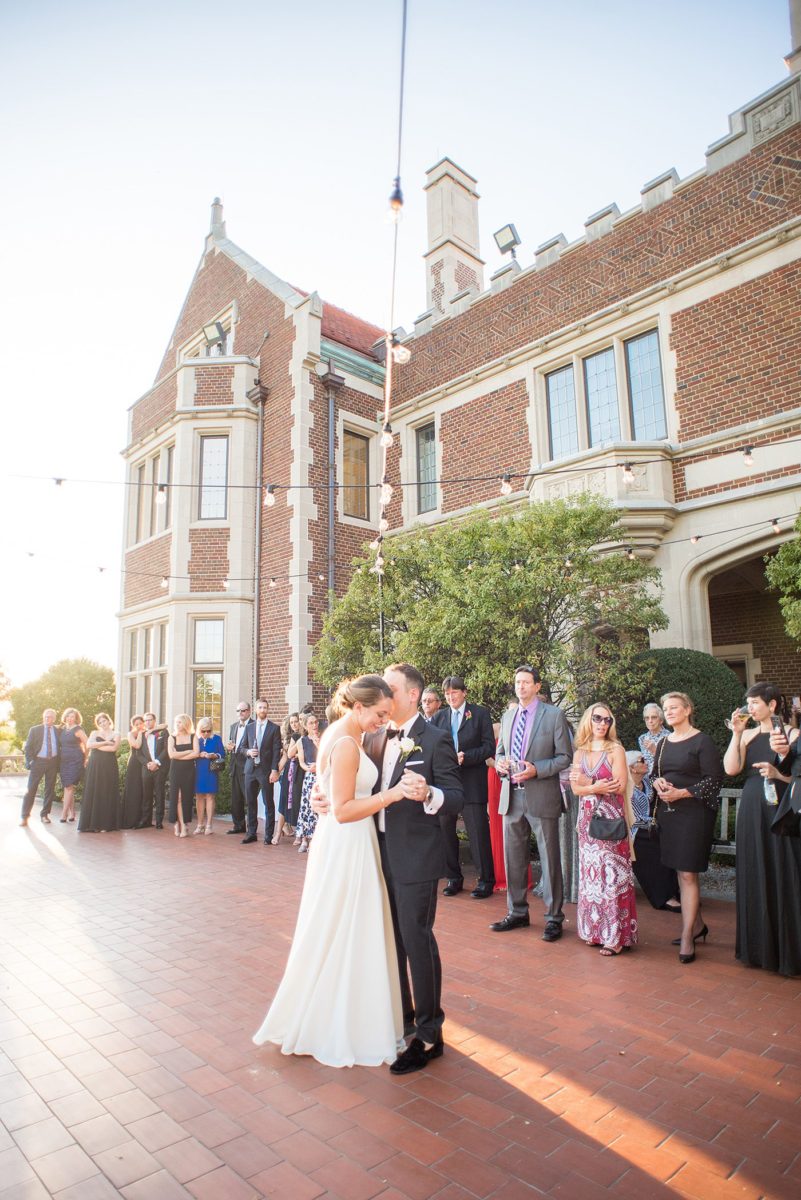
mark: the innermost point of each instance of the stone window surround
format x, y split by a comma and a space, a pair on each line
155, 670
196, 521
349, 422
155, 464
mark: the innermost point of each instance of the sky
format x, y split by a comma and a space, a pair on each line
121, 122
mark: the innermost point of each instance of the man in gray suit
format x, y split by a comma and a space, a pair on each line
537, 735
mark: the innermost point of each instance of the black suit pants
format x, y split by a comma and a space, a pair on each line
254, 785
153, 786
42, 769
476, 822
238, 796
414, 906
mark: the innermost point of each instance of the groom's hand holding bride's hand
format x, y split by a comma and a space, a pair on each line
413, 787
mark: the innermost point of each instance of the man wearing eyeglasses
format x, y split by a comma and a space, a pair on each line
237, 746
535, 737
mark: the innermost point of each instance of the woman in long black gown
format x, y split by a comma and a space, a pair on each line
132, 792
183, 748
101, 789
768, 867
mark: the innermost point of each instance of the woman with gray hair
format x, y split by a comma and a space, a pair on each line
655, 730
660, 884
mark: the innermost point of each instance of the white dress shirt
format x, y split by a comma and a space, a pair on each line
391, 756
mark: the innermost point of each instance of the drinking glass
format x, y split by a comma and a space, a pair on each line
743, 713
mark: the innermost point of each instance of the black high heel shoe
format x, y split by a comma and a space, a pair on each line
702, 932
687, 958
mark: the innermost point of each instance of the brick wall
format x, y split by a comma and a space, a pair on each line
145, 566
487, 437
154, 409
208, 559
755, 617
214, 385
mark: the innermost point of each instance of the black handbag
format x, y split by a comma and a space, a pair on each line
216, 765
607, 829
787, 821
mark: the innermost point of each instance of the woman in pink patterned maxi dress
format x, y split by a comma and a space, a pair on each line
607, 910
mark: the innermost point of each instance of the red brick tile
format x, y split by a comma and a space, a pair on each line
188, 1160
126, 1163
42, 1138
222, 1183
410, 1177
130, 1106
213, 1128
479, 1177
362, 1147
285, 1181
347, 1180
156, 1131
160, 1186
63, 1168
100, 1133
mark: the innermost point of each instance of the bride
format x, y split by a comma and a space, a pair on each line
339, 999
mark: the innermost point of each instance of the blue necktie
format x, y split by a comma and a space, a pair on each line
455, 729
517, 740
48, 743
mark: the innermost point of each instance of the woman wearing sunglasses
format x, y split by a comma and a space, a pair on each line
687, 778
607, 910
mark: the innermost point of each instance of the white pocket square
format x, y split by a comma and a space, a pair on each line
414, 762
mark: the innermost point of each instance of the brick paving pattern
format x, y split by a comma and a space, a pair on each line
136, 966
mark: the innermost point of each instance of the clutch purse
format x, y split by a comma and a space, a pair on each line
607, 829
216, 765
787, 821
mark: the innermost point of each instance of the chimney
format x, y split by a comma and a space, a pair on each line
793, 59
453, 265
217, 228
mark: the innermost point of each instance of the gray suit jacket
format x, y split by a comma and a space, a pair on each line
549, 749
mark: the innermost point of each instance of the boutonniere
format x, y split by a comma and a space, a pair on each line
468, 716
408, 746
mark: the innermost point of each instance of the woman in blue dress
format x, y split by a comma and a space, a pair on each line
207, 782
72, 741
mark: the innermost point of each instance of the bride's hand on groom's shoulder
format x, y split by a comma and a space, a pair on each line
318, 800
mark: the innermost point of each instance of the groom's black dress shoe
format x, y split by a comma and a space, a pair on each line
415, 1057
509, 922
453, 887
482, 891
552, 932
250, 838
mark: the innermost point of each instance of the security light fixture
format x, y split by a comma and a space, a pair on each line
213, 333
506, 239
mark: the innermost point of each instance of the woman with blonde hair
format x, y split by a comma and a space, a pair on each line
183, 748
101, 790
207, 780
308, 748
339, 999
72, 758
687, 775
607, 909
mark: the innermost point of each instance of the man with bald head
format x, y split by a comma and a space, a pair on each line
41, 758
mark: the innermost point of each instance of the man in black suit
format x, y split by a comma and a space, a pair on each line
155, 763
412, 855
237, 749
42, 755
263, 754
470, 728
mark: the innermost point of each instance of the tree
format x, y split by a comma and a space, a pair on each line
783, 572
71, 683
480, 596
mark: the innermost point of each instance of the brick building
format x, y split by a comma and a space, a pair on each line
655, 360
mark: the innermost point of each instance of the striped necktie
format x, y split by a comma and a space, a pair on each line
517, 740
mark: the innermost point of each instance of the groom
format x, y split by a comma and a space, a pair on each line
413, 855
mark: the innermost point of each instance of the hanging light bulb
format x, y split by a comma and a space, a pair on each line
518, 566
58, 482
748, 455
272, 582
400, 354
376, 543
775, 526
383, 525
695, 539
269, 495
396, 202
161, 494
386, 491
226, 583
321, 577
506, 484
165, 582
630, 554
628, 473
568, 562
386, 436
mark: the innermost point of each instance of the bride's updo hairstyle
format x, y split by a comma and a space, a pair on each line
364, 689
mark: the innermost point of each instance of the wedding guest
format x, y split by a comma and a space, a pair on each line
41, 760
101, 789
183, 749
430, 703
261, 773
132, 791
607, 910
237, 746
768, 880
307, 757
495, 816
660, 884
687, 775
207, 779
72, 758
290, 779
154, 758
654, 732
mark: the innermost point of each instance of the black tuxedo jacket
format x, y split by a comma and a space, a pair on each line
414, 845
237, 758
162, 756
34, 742
269, 750
477, 741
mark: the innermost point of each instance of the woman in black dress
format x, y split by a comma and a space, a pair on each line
768, 867
687, 777
183, 748
101, 789
72, 759
289, 781
132, 792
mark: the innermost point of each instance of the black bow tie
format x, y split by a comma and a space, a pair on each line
391, 733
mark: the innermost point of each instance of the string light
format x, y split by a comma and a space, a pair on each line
161, 494
58, 482
630, 554
748, 455
376, 543
775, 525
269, 495
568, 562
383, 525
272, 582
386, 436
628, 473
165, 581
400, 354
396, 202
506, 484
386, 492
226, 583
695, 539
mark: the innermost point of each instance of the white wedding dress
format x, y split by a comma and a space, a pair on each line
339, 999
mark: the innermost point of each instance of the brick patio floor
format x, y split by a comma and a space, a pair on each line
135, 968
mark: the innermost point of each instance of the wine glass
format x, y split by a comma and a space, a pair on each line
743, 713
